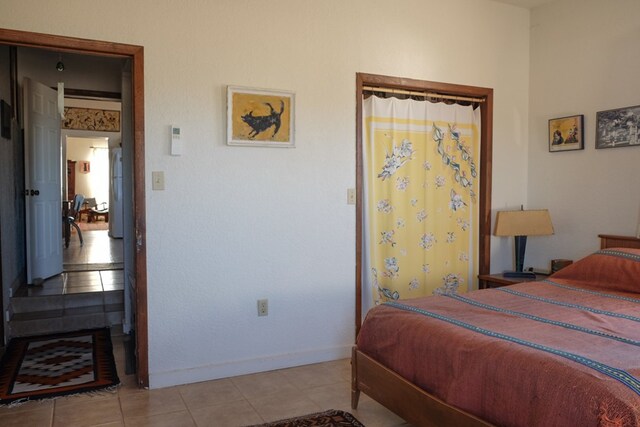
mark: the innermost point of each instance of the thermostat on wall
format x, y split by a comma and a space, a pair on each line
176, 141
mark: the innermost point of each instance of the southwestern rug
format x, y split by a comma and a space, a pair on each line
48, 366
332, 418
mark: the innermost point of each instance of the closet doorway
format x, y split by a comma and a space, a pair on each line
385, 86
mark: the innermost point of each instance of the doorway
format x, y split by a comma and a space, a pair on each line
425, 89
134, 54
89, 164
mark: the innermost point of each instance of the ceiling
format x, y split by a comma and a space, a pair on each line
527, 4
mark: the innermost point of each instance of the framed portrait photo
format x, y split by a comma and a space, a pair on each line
85, 166
260, 117
618, 128
566, 133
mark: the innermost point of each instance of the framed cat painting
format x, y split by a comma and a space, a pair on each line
260, 117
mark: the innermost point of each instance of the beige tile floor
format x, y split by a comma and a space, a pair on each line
98, 248
76, 282
237, 401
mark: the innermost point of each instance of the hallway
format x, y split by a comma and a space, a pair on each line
98, 252
89, 293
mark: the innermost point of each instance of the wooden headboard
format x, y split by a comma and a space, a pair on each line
609, 241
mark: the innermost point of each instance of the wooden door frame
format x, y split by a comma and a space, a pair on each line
136, 54
486, 144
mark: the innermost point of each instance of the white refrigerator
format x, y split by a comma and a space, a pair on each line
116, 222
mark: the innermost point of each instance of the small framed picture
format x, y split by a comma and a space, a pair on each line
566, 133
77, 118
85, 166
618, 128
260, 117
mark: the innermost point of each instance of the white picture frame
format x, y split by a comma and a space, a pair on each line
260, 117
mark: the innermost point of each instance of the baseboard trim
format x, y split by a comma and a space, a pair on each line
249, 366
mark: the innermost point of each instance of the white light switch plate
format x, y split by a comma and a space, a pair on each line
157, 179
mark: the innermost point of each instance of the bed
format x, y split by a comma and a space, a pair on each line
563, 351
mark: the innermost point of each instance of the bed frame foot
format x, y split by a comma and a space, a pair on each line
355, 392
355, 398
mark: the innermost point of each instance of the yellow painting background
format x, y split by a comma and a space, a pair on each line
564, 126
244, 103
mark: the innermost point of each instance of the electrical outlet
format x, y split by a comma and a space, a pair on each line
263, 307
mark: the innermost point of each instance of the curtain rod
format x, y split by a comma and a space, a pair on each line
424, 94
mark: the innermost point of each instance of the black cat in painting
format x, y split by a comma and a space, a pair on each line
259, 124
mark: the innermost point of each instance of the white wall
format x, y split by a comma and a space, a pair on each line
236, 224
584, 59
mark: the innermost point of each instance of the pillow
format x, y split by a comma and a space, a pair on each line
616, 269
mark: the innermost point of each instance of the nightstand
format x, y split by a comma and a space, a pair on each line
496, 280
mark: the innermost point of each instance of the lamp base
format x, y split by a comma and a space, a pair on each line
520, 274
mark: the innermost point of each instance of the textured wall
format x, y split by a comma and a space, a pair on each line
584, 59
235, 223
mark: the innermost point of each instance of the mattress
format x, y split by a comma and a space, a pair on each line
561, 352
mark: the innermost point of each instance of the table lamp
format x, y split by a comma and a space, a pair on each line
521, 224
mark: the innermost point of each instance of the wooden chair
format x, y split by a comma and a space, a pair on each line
89, 203
100, 209
94, 210
69, 220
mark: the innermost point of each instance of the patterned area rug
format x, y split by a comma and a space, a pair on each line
48, 366
332, 418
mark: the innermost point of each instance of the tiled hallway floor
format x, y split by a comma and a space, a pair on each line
89, 293
98, 248
77, 282
237, 401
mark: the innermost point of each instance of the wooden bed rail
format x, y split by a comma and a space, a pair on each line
408, 401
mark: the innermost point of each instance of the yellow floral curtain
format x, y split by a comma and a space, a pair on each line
420, 198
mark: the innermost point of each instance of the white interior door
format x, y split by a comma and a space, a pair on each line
43, 204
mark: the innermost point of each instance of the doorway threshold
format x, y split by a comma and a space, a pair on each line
93, 267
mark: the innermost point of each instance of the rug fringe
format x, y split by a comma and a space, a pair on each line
91, 393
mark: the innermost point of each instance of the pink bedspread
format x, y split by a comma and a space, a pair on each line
563, 352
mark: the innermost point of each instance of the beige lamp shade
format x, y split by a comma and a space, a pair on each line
523, 223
